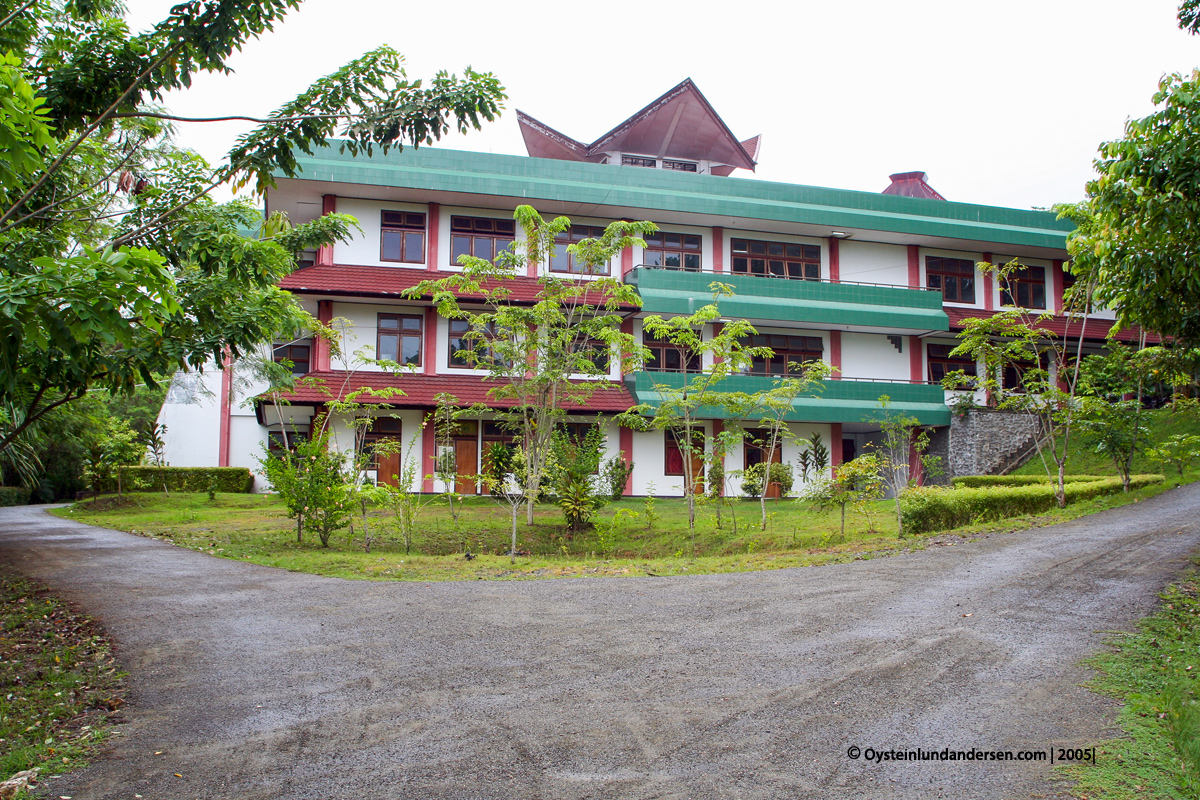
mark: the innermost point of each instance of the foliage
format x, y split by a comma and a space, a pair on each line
115, 265
977, 481
576, 464
1115, 430
779, 474
190, 479
855, 482
820, 454
115, 447
903, 438
614, 475
13, 496
935, 508
1177, 451
313, 482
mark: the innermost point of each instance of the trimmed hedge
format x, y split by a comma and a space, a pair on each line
935, 508
14, 496
237, 480
973, 481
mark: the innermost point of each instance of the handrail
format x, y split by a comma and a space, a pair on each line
831, 378
710, 271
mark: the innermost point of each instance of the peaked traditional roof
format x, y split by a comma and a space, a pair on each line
680, 124
912, 184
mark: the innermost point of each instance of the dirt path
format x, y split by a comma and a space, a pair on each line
259, 683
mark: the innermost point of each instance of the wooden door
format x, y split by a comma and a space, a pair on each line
466, 465
697, 475
773, 488
387, 468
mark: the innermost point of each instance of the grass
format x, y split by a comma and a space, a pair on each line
1154, 673
59, 687
255, 528
1084, 460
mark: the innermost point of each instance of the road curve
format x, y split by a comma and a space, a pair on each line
260, 683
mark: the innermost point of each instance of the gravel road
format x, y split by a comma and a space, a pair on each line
260, 683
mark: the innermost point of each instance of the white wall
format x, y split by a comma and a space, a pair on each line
871, 355
364, 248
872, 262
361, 333
192, 414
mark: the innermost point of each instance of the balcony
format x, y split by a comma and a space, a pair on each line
842, 401
771, 299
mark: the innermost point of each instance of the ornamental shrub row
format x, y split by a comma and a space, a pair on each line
237, 480
935, 508
972, 481
14, 496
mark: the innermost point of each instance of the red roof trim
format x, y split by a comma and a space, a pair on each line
420, 391
1097, 329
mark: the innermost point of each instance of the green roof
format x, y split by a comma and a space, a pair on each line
535, 179
837, 401
665, 291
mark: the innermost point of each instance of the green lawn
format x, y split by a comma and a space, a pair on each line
627, 540
1084, 460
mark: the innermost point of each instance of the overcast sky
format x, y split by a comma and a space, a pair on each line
1001, 103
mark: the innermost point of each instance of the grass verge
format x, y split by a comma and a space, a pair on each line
255, 528
59, 687
1153, 672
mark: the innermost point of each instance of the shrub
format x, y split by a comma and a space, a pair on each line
235, 480
614, 474
976, 481
13, 496
935, 508
573, 479
781, 475
752, 480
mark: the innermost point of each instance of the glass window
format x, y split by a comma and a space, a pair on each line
639, 161
562, 261
954, 276
280, 441
469, 346
790, 352
298, 354
400, 338
673, 251
481, 237
941, 363
776, 259
668, 357
403, 237
381, 429
1024, 288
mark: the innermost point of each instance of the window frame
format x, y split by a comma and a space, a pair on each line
776, 260
370, 436
949, 364
570, 237
404, 229
768, 368
478, 231
942, 269
660, 243
1020, 279
664, 345
490, 336
296, 434
670, 442
400, 335
307, 361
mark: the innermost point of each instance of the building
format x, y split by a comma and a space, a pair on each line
874, 284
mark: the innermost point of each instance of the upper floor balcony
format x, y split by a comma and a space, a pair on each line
823, 303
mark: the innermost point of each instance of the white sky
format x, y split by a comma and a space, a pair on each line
1001, 103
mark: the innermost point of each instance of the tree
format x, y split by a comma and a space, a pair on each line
855, 482
1180, 450
1111, 412
775, 405
115, 266
903, 438
680, 409
541, 357
576, 464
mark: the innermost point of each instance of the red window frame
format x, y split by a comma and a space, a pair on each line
299, 354
562, 261
482, 237
1024, 288
459, 335
664, 353
403, 234
674, 251
941, 362
775, 259
407, 331
788, 350
381, 428
954, 276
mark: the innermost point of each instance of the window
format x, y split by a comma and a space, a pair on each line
279, 442
941, 363
382, 429
790, 352
776, 259
562, 261
754, 451
639, 161
400, 338
679, 166
298, 354
463, 337
1024, 288
668, 357
480, 237
673, 455
954, 276
673, 251
1015, 373
402, 237
596, 352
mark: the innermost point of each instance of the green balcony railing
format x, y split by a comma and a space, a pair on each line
667, 291
835, 401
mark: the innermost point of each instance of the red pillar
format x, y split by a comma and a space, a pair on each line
435, 226
835, 445
914, 266
226, 411
626, 445
916, 361
429, 356
835, 259
835, 354
718, 249
627, 329
325, 252
988, 302
428, 454
626, 261
320, 346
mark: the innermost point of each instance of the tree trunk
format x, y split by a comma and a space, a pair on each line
1061, 492
843, 521
300, 528
512, 551
899, 519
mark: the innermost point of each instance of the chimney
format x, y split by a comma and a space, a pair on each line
912, 184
